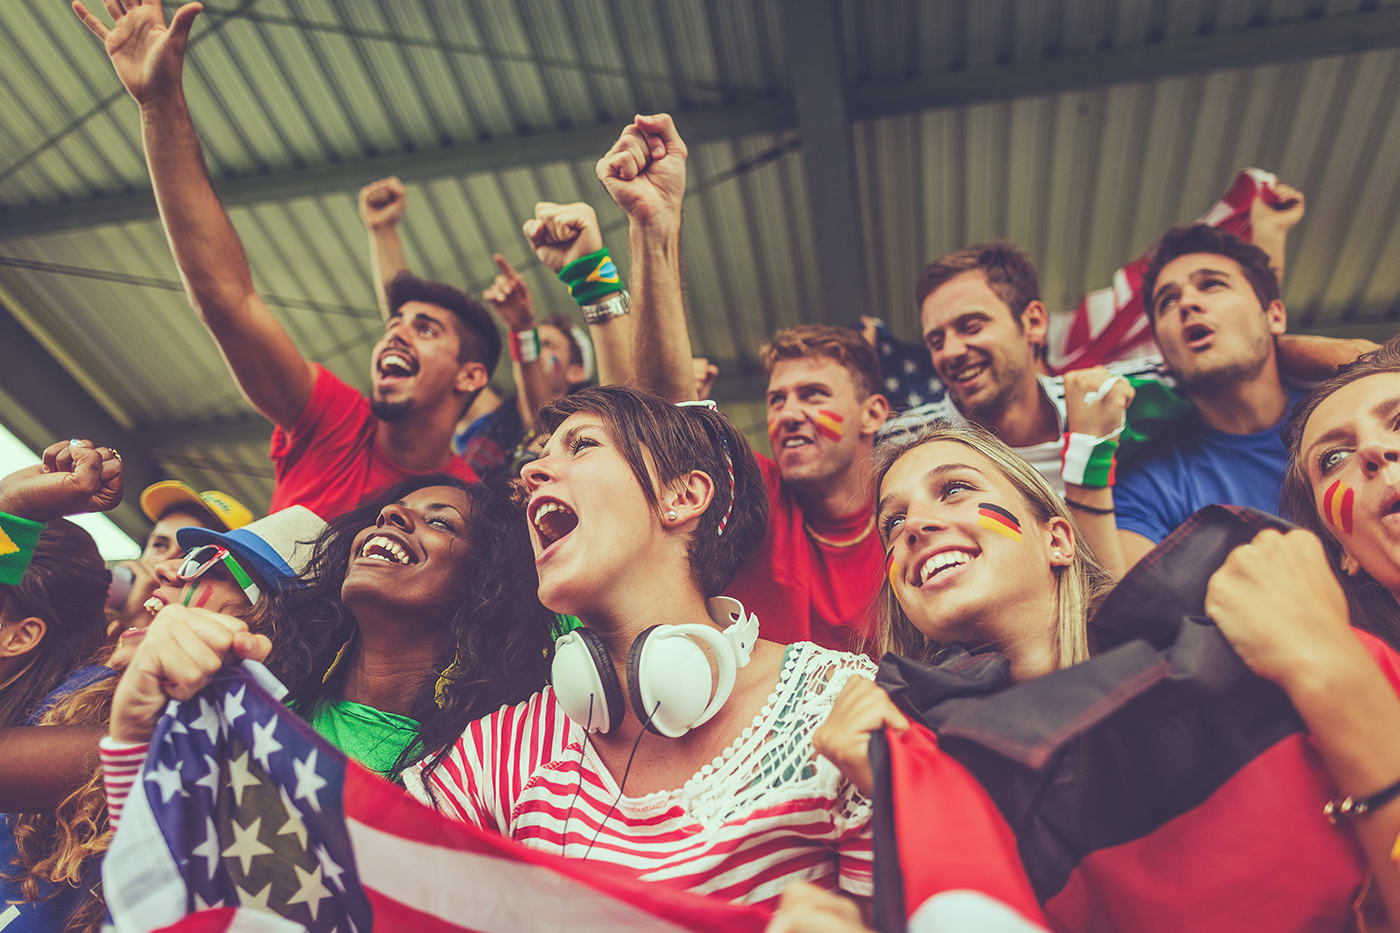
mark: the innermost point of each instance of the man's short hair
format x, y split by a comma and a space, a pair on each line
1203, 238
476, 329
1009, 272
844, 345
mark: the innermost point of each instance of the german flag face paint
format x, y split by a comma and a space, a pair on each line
891, 568
995, 518
1337, 503
829, 424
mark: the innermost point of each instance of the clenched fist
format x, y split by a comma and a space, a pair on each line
382, 203
74, 477
644, 172
561, 233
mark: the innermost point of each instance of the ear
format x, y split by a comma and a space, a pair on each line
21, 636
1277, 317
1035, 323
1350, 566
688, 497
1059, 538
874, 412
471, 378
575, 374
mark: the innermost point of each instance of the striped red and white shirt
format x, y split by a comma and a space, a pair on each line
765, 812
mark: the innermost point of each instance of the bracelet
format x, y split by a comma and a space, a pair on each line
615, 305
591, 277
524, 345
1350, 807
1085, 507
18, 536
1089, 461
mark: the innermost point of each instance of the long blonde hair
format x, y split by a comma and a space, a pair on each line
1079, 587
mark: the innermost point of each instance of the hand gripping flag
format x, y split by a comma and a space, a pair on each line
244, 819
1160, 786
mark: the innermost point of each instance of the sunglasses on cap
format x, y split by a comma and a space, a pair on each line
199, 560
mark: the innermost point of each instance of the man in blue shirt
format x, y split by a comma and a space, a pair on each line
1213, 303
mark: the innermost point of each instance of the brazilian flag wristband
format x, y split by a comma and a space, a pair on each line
18, 536
592, 277
1089, 461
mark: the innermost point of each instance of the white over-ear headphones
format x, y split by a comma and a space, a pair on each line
668, 673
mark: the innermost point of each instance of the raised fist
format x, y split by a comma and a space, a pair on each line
561, 233
147, 55
509, 297
1277, 210
1090, 411
644, 172
74, 477
382, 203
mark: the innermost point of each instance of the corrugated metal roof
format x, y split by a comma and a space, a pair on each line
1084, 177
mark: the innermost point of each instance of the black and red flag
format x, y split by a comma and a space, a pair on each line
1160, 786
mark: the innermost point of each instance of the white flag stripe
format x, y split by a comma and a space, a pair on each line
968, 910
503, 895
142, 883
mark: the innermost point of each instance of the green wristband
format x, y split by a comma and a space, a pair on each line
591, 277
18, 536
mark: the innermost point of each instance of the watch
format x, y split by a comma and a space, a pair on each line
615, 305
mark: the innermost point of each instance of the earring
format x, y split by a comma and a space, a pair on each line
671, 515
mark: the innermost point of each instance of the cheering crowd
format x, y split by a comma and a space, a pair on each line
591, 618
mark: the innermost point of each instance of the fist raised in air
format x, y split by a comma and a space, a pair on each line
644, 172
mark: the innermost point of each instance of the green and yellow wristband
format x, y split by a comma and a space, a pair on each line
591, 277
18, 536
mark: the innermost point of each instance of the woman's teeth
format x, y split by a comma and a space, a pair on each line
941, 561
386, 549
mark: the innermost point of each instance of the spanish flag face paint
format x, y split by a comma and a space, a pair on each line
829, 424
995, 518
1337, 503
891, 568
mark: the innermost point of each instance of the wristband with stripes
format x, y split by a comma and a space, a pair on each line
1089, 461
591, 277
18, 536
525, 345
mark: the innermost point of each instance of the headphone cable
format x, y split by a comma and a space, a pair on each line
568, 816
623, 785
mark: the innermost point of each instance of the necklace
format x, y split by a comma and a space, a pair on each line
865, 533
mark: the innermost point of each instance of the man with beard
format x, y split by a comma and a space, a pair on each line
1213, 303
331, 446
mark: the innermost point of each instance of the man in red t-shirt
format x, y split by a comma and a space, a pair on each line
331, 446
821, 562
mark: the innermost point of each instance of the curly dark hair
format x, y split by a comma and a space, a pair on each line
500, 634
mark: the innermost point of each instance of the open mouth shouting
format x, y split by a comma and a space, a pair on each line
388, 549
552, 521
1197, 336
942, 566
396, 363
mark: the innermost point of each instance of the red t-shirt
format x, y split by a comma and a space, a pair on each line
328, 461
803, 590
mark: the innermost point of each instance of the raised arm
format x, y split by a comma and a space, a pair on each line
644, 173
1309, 358
510, 299
148, 57
382, 205
1271, 216
568, 237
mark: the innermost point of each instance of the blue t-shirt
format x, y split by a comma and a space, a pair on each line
58, 902
1194, 466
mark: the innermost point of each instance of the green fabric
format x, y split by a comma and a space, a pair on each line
563, 625
591, 278
1098, 472
372, 737
1156, 406
18, 536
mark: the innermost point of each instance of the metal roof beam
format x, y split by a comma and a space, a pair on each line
828, 159
1247, 47
462, 159
44, 404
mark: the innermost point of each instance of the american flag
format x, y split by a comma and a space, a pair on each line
243, 818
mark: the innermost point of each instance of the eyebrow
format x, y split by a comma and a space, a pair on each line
1378, 411
1195, 274
941, 470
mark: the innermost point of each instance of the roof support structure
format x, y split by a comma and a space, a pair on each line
44, 403
828, 160
1246, 47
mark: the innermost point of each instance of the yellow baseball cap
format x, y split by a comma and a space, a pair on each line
224, 511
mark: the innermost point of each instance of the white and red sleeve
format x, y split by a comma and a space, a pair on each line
121, 762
